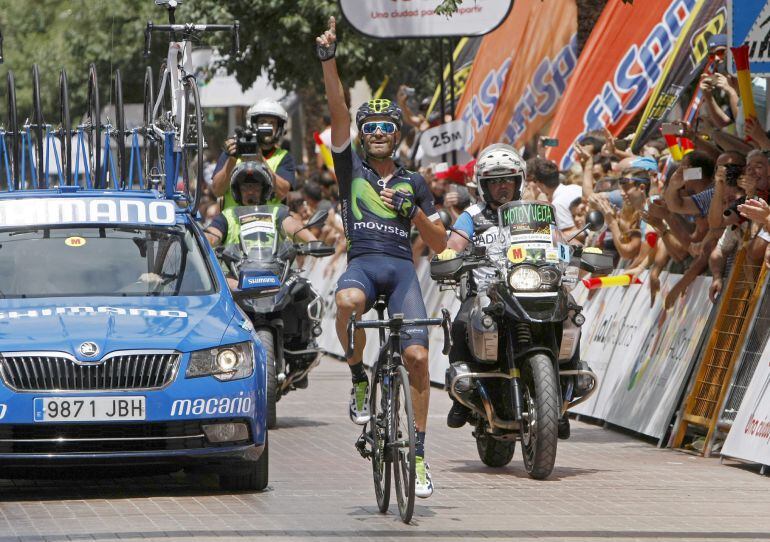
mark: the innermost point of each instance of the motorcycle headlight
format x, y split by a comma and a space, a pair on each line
525, 279
550, 276
224, 363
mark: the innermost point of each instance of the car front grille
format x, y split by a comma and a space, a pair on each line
35, 371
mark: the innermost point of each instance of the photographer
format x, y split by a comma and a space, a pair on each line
261, 142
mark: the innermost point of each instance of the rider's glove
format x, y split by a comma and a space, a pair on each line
403, 203
448, 254
326, 53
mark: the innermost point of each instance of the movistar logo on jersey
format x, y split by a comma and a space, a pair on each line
367, 197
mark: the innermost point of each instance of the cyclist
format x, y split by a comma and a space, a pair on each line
500, 176
252, 184
380, 202
263, 113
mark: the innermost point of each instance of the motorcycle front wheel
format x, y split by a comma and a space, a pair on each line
267, 340
539, 426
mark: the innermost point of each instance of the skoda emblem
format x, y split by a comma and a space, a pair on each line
89, 349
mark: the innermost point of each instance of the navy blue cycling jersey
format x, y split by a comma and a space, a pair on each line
370, 226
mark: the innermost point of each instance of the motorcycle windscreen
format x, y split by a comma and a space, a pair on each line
259, 235
528, 233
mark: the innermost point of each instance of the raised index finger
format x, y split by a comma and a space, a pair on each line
332, 25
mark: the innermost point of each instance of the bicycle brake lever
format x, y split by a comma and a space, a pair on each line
447, 335
147, 39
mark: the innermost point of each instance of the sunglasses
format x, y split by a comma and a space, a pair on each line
368, 128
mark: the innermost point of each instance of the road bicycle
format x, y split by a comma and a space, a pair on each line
390, 435
173, 121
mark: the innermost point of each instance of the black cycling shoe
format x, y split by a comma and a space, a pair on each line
564, 430
458, 415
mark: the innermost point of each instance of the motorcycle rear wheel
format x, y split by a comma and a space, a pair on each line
493, 452
268, 343
539, 428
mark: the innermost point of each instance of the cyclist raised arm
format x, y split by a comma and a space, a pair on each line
381, 200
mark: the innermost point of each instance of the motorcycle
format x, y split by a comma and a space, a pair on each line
523, 333
283, 306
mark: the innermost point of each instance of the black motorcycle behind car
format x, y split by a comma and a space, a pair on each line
283, 306
523, 333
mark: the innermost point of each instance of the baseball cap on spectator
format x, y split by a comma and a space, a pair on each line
645, 162
716, 41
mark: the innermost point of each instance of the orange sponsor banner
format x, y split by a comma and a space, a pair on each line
520, 73
620, 65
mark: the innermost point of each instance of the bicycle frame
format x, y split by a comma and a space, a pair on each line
173, 75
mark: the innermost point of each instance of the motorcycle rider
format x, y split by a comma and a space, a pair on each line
252, 184
380, 201
264, 112
500, 175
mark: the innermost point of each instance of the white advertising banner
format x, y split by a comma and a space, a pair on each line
418, 18
749, 438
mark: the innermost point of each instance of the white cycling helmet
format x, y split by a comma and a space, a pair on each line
499, 160
268, 108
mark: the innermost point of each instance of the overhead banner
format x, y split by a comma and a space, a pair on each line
749, 437
748, 24
387, 19
520, 73
618, 68
684, 65
463, 55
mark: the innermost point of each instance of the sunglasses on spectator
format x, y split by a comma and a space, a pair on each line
503, 180
368, 128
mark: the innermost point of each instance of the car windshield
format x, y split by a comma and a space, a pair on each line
102, 261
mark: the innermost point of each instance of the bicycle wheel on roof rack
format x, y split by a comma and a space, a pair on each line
93, 128
38, 127
149, 144
120, 131
12, 129
191, 139
65, 130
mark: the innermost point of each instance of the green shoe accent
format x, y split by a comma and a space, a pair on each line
361, 395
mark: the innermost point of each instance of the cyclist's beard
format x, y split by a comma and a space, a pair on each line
382, 151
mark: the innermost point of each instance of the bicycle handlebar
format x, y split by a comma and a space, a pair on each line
188, 29
396, 323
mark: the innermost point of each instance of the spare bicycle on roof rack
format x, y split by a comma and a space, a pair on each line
173, 123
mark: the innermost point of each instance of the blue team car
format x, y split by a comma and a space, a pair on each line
120, 343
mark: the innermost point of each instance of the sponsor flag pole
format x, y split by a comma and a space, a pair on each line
452, 102
443, 85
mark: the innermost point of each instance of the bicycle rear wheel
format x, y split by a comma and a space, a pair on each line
150, 146
38, 127
65, 130
403, 439
120, 131
192, 144
93, 128
379, 428
13, 129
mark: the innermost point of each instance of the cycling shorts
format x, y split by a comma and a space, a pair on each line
395, 278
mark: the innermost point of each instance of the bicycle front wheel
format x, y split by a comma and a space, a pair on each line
378, 425
149, 147
38, 128
65, 131
120, 132
93, 128
192, 145
403, 439
13, 130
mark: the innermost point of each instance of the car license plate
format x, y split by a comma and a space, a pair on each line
89, 409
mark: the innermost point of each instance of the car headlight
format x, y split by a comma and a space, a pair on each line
224, 363
525, 279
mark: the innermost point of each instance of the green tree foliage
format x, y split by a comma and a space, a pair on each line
278, 37
71, 34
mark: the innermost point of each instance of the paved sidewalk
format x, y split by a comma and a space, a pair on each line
606, 486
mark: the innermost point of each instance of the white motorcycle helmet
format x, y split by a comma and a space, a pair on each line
499, 160
268, 108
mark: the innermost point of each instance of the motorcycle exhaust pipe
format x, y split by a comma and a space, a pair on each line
488, 413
